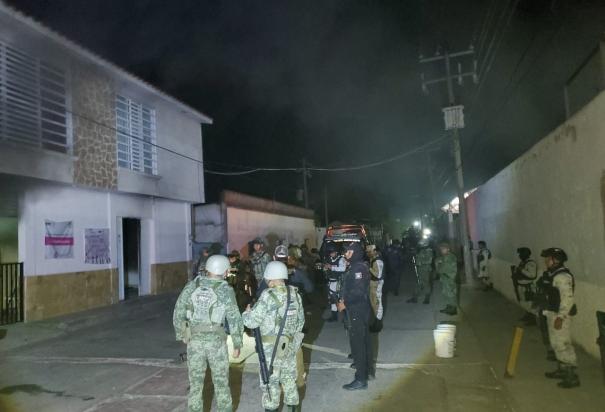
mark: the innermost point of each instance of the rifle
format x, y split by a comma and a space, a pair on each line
416, 269
513, 270
262, 360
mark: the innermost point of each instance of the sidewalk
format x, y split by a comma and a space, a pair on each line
125, 359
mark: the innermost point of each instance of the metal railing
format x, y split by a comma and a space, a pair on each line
11, 293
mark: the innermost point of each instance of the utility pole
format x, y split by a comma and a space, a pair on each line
326, 205
454, 120
432, 183
305, 188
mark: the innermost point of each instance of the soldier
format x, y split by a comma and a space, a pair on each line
243, 282
483, 257
560, 309
424, 271
394, 263
376, 280
334, 267
524, 275
446, 266
199, 321
259, 259
200, 263
280, 316
355, 299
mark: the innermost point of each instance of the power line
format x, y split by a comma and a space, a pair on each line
262, 169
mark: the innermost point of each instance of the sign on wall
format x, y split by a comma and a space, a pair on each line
59, 240
96, 246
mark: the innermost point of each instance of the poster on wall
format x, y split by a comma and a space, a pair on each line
96, 246
59, 240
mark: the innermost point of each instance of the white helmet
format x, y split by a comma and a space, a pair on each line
217, 265
276, 270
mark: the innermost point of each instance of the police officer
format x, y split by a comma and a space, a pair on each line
424, 270
259, 259
199, 317
524, 276
376, 280
446, 266
355, 299
334, 267
277, 301
560, 309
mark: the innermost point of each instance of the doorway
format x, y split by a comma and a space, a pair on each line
131, 251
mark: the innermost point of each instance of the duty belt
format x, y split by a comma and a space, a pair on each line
271, 339
205, 328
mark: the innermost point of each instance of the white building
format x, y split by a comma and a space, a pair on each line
99, 209
238, 219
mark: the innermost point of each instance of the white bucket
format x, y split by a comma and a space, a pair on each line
445, 342
451, 329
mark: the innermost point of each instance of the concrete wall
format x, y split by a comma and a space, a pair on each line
245, 225
165, 234
553, 195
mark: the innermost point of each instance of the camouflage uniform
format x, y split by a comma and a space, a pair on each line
446, 267
198, 319
424, 266
560, 339
267, 314
259, 261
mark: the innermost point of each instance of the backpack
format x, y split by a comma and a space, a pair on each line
205, 306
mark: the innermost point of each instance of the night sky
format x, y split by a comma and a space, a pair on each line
338, 82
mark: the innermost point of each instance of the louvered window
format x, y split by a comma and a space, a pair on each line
33, 101
136, 136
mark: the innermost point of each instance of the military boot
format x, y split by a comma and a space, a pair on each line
427, 299
355, 385
292, 408
559, 373
570, 380
450, 310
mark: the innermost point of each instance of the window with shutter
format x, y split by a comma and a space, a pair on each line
33, 101
136, 136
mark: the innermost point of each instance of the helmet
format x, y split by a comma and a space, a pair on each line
276, 270
444, 245
357, 250
423, 243
370, 248
234, 253
295, 251
330, 248
281, 252
258, 241
524, 252
217, 265
555, 253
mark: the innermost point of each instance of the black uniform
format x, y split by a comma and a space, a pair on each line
355, 293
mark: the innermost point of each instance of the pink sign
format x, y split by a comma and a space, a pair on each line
58, 241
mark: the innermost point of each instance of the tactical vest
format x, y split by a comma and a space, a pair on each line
524, 281
291, 314
553, 296
372, 261
334, 276
424, 257
207, 313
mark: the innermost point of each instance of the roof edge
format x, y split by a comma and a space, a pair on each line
98, 60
